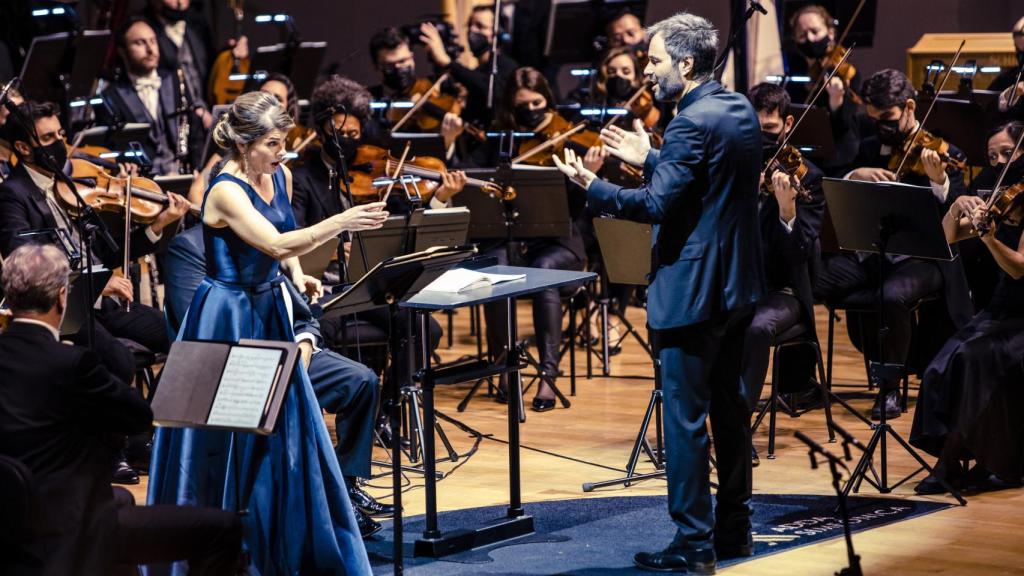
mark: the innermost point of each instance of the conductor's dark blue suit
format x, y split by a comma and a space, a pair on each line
700, 193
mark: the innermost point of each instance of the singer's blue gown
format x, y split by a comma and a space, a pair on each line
300, 520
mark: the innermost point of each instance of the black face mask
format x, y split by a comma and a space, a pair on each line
815, 50
527, 118
769, 144
1014, 175
57, 150
173, 14
619, 88
345, 148
478, 44
889, 132
399, 79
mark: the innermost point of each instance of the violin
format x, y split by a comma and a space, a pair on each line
1005, 206
430, 105
106, 193
924, 140
790, 161
834, 61
552, 139
374, 168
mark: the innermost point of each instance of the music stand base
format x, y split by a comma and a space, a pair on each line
461, 540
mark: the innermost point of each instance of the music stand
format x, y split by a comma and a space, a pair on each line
886, 218
315, 262
64, 66
540, 209
574, 24
117, 139
814, 135
388, 284
422, 144
421, 230
301, 63
177, 183
80, 300
956, 120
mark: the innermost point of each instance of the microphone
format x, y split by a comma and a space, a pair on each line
757, 6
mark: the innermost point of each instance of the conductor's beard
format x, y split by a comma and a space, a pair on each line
669, 88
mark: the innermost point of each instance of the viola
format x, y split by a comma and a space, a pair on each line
107, 193
790, 161
924, 140
552, 140
834, 61
374, 167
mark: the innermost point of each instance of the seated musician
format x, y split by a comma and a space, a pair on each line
813, 30
480, 34
889, 98
283, 89
789, 231
970, 395
29, 202
625, 30
528, 106
393, 59
343, 387
59, 407
1010, 89
6, 152
184, 41
145, 93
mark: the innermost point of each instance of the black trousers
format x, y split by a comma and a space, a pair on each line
907, 282
208, 538
775, 313
700, 373
547, 305
348, 390
143, 324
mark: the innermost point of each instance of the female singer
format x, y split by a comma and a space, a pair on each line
970, 394
300, 518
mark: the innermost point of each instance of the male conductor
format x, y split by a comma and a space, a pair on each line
701, 193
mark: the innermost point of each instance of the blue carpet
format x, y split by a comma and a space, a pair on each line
599, 536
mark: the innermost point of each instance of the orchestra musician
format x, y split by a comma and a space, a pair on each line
6, 151
145, 93
969, 394
1007, 84
790, 227
813, 30
283, 89
185, 42
625, 30
700, 191
479, 36
890, 101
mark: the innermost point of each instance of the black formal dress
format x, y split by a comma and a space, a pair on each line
701, 192
788, 254
972, 388
60, 410
24, 208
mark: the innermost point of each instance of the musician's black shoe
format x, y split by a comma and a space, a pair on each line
368, 504
677, 559
755, 460
892, 406
123, 473
734, 547
367, 526
385, 435
543, 405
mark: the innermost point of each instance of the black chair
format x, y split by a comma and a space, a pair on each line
17, 501
146, 360
797, 335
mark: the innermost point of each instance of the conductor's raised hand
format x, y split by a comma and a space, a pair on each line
362, 217
631, 147
572, 166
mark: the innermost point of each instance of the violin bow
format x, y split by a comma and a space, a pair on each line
839, 42
1002, 174
398, 171
419, 102
920, 125
126, 263
803, 114
636, 95
305, 142
545, 145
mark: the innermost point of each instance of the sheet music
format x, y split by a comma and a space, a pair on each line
245, 385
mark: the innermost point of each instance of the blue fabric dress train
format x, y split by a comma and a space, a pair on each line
299, 520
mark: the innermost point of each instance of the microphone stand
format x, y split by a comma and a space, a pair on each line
739, 24
88, 221
494, 55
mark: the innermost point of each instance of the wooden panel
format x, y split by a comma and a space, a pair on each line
988, 49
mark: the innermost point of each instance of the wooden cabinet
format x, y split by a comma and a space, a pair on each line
988, 49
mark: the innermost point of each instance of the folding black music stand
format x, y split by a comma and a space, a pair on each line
300, 62
957, 121
573, 26
887, 219
624, 248
64, 66
400, 234
117, 139
814, 135
80, 299
421, 144
389, 284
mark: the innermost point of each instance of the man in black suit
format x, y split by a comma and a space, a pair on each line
185, 42
146, 93
889, 98
700, 192
1011, 91
60, 409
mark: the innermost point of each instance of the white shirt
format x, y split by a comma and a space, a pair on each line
56, 334
175, 31
148, 89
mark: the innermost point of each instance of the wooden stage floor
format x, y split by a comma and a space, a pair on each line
592, 439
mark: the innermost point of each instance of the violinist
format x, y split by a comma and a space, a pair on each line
144, 93
789, 232
393, 59
184, 41
970, 393
528, 105
889, 98
29, 202
618, 79
813, 30
6, 151
480, 36
1009, 84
